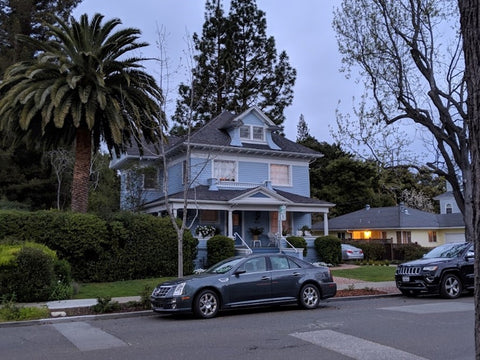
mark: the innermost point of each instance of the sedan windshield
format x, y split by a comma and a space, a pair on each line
224, 266
447, 251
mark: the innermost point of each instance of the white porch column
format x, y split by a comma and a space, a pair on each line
230, 223
325, 224
174, 210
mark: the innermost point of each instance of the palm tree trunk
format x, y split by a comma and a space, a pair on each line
81, 170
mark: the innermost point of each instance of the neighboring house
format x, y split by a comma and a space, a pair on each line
398, 224
242, 175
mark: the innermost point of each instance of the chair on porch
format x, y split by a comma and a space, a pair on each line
272, 239
256, 242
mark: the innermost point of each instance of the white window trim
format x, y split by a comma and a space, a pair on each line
250, 134
290, 175
225, 160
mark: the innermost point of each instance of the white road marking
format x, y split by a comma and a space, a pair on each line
354, 347
438, 307
86, 337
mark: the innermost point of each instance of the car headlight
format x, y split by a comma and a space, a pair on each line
179, 289
430, 268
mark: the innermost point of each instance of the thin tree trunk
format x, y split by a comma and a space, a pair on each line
470, 27
81, 170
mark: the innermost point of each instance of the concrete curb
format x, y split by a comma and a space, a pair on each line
77, 318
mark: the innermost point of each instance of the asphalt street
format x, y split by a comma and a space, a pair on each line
390, 328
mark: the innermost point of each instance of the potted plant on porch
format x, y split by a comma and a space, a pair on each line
255, 231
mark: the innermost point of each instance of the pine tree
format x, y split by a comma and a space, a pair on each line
303, 133
236, 67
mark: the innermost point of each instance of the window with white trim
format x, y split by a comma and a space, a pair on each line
252, 132
225, 170
280, 174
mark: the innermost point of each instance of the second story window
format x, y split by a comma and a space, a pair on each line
150, 178
280, 174
448, 209
225, 170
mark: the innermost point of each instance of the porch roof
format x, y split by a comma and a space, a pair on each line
241, 199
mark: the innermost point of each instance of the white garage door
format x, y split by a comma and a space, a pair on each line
454, 238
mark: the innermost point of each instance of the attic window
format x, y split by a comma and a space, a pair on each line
251, 132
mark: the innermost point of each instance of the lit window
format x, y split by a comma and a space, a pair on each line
225, 170
432, 236
280, 174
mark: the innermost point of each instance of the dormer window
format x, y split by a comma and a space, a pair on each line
252, 132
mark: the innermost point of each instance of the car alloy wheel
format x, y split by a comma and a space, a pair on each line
206, 304
309, 296
451, 287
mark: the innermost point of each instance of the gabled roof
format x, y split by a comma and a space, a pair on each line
214, 136
394, 217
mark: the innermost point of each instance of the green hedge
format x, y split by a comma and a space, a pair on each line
371, 250
32, 272
298, 242
329, 249
125, 246
219, 247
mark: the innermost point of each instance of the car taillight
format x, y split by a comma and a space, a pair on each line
349, 251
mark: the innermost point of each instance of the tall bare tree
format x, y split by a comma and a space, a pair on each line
411, 57
470, 29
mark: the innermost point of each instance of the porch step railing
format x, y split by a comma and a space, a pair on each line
243, 243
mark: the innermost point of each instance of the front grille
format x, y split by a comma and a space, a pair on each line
161, 291
409, 270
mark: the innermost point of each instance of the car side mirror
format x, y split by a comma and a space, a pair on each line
470, 255
238, 272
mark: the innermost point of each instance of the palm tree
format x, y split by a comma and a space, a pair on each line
83, 89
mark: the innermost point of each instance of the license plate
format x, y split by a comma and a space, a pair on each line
406, 278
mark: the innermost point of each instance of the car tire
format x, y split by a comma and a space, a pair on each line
206, 304
451, 286
309, 296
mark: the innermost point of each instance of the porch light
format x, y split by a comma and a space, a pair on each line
367, 234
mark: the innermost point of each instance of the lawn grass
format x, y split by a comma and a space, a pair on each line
116, 288
368, 273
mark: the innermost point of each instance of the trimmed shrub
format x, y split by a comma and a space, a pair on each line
28, 272
298, 242
408, 252
372, 250
219, 247
329, 249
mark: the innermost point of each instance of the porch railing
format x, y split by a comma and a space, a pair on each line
288, 243
237, 236
236, 185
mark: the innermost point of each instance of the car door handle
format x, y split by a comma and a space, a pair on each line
265, 278
296, 273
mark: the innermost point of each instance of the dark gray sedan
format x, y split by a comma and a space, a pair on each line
254, 280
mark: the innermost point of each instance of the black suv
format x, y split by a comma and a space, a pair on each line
446, 270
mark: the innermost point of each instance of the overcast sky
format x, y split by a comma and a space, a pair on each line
302, 28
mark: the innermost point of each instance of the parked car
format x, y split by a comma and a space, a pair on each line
350, 252
446, 270
253, 280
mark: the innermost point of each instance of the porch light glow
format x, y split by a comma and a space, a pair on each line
367, 234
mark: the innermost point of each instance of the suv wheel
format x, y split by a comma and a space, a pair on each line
451, 286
